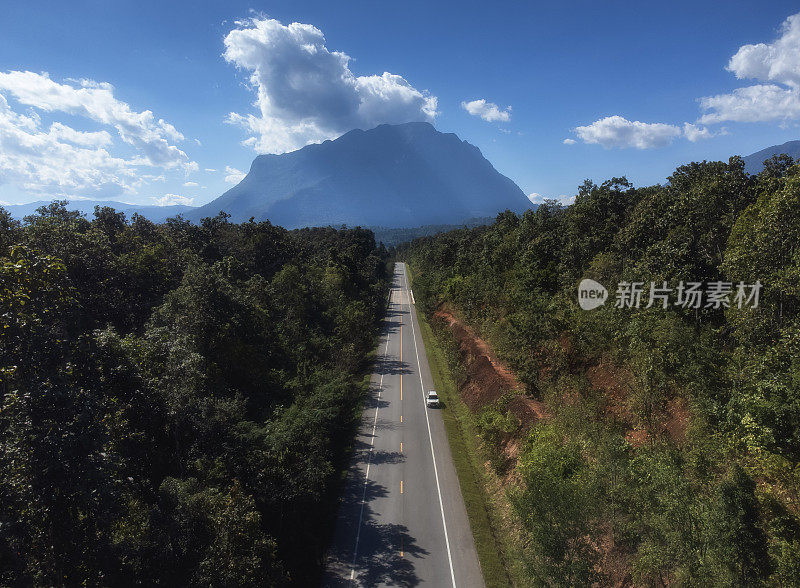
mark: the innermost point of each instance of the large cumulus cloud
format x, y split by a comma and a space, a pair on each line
306, 93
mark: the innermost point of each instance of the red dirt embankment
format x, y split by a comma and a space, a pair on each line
615, 383
487, 378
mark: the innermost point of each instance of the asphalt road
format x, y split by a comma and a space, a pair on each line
402, 520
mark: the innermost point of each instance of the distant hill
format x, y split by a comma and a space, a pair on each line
754, 163
404, 175
390, 237
157, 214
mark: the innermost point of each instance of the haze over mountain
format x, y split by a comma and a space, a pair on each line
390, 177
157, 214
403, 175
754, 162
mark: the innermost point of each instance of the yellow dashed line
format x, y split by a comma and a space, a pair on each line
401, 486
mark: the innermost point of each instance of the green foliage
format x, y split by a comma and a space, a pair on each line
671, 519
556, 507
708, 502
176, 399
739, 545
764, 245
494, 423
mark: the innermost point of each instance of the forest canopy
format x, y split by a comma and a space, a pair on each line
671, 453
177, 399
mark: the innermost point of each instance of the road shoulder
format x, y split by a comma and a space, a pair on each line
468, 461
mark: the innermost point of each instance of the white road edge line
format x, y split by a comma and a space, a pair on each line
369, 456
430, 437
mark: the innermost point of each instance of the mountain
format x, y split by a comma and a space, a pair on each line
403, 175
157, 214
754, 163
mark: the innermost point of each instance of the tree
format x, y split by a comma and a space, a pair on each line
556, 505
738, 543
177, 400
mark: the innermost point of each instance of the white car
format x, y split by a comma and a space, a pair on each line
432, 400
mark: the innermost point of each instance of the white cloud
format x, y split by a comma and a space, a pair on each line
210, 170
696, 133
568, 141
307, 93
59, 162
777, 66
190, 184
759, 103
537, 198
172, 200
233, 175
616, 131
488, 111
771, 62
61, 132
96, 101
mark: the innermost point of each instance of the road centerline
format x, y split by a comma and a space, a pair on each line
399, 537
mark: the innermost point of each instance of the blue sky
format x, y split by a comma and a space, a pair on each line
138, 97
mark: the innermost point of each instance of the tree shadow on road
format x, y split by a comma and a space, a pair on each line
392, 367
391, 457
392, 326
378, 560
